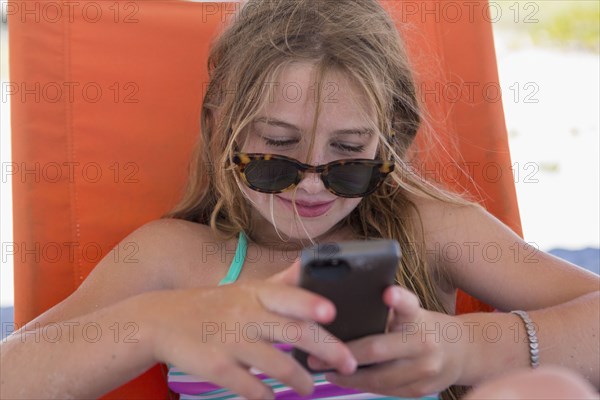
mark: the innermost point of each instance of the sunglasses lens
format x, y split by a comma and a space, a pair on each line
271, 175
353, 179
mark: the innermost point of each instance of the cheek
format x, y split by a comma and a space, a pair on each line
347, 205
255, 198
351, 203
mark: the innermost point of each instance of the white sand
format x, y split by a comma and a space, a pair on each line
554, 143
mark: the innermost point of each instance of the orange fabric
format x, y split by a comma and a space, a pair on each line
105, 145
451, 48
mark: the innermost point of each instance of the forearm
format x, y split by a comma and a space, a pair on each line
81, 358
568, 335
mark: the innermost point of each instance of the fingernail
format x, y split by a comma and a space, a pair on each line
321, 311
351, 365
396, 294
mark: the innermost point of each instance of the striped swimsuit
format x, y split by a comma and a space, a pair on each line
192, 387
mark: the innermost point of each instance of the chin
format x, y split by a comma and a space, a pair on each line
299, 234
314, 228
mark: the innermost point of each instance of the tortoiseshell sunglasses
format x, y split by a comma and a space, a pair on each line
270, 173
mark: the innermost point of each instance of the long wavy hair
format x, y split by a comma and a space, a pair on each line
359, 39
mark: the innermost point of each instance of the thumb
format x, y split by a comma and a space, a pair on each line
404, 304
290, 275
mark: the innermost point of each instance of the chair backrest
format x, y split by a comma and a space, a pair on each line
105, 104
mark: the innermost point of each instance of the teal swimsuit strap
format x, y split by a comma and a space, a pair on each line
238, 261
236, 265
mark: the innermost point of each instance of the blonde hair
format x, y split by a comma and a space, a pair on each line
357, 38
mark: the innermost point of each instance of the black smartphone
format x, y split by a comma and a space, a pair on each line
353, 275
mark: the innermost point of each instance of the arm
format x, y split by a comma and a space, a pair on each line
424, 352
66, 350
502, 270
80, 358
567, 333
170, 326
111, 331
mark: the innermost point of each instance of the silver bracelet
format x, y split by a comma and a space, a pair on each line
534, 350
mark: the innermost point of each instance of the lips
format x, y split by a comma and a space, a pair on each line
308, 209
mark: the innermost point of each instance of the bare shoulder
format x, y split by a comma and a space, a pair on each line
436, 222
155, 256
482, 256
429, 217
168, 241
437, 214
186, 254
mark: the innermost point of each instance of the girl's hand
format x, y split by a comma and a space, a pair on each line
219, 333
413, 359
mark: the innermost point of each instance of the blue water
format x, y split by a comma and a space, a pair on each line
588, 258
6, 321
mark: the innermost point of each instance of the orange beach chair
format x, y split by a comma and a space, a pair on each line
105, 104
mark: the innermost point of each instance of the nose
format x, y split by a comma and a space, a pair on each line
311, 184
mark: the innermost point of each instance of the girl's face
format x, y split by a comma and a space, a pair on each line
283, 127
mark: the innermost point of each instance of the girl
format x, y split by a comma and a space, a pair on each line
295, 86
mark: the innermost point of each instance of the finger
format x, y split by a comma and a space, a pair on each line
317, 364
404, 304
401, 378
276, 364
239, 380
380, 378
220, 370
374, 349
296, 303
315, 340
418, 387
289, 276
385, 347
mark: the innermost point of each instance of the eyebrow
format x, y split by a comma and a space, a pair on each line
287, 125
